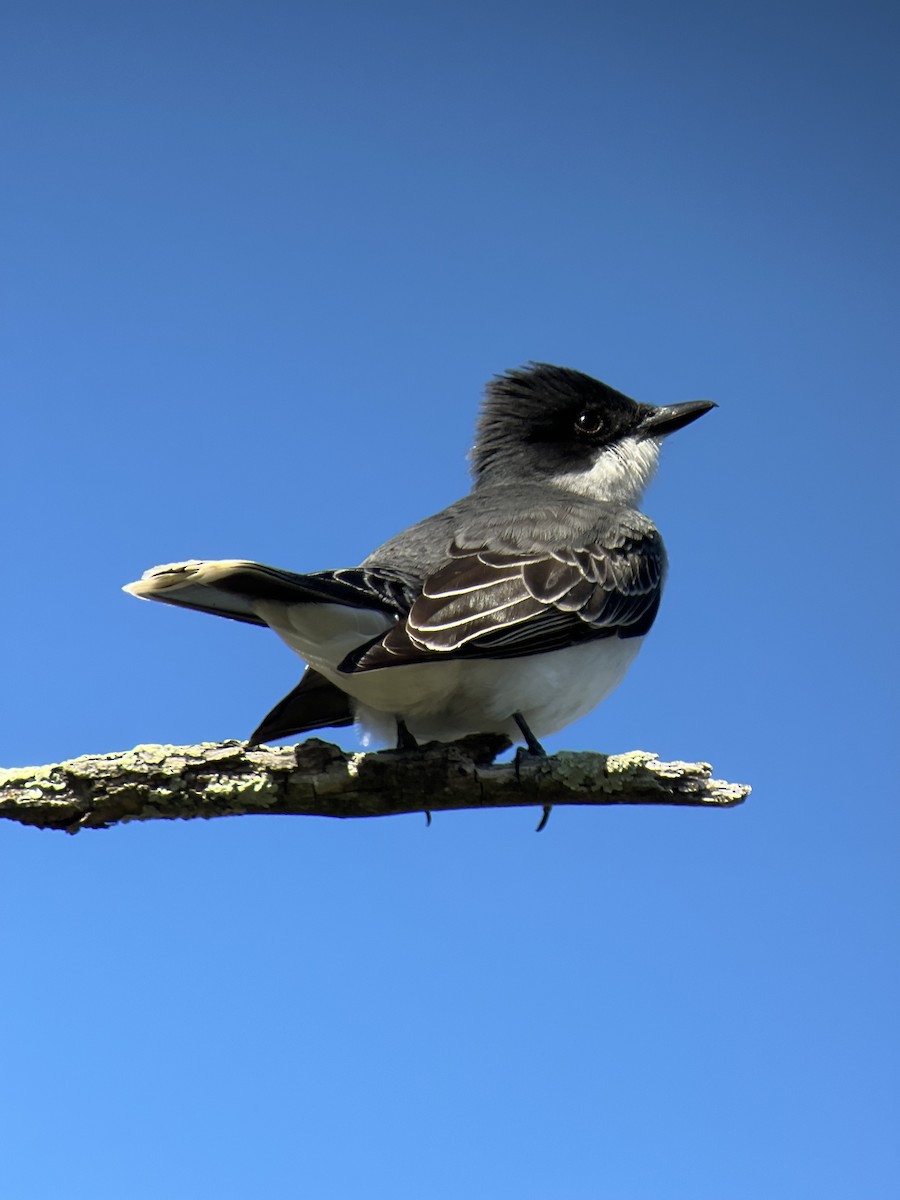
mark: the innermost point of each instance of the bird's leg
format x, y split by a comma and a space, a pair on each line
536, 750
406, 741
534, 746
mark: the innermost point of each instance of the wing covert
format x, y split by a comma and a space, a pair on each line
499, 602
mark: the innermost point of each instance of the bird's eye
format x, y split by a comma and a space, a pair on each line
589, 420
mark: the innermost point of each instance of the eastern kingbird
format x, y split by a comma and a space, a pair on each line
516, 610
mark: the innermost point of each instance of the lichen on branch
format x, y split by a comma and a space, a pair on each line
317, 778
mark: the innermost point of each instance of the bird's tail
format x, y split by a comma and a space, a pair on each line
233, 587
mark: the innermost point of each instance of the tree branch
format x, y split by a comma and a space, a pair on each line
316, 778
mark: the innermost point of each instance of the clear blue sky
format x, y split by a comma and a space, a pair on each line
257, 262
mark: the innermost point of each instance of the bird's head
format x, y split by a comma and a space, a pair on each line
541, 423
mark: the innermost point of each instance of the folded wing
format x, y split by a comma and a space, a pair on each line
313, 704
498, 603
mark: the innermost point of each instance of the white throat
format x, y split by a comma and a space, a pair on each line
620, 473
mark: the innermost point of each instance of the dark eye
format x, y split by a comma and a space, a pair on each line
589, 420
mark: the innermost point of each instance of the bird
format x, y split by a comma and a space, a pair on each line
516, 610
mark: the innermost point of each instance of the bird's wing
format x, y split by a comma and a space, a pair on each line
313, 704
502, 603
232, 588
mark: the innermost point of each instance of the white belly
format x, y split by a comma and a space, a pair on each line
440, 701
443, 701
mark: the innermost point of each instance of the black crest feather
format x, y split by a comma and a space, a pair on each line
537, 403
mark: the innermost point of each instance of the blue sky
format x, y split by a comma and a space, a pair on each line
257, 263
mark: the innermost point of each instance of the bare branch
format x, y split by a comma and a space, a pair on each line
316, 778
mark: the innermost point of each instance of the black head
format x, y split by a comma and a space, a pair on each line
553, 423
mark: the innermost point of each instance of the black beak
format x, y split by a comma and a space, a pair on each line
669, 417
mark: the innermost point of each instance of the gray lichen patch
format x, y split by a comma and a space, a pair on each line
628, 763
42, 778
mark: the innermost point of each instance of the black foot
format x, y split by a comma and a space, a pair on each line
405, 740
534, 746
535, 749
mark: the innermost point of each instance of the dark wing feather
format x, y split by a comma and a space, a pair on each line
486, 602
313, 704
